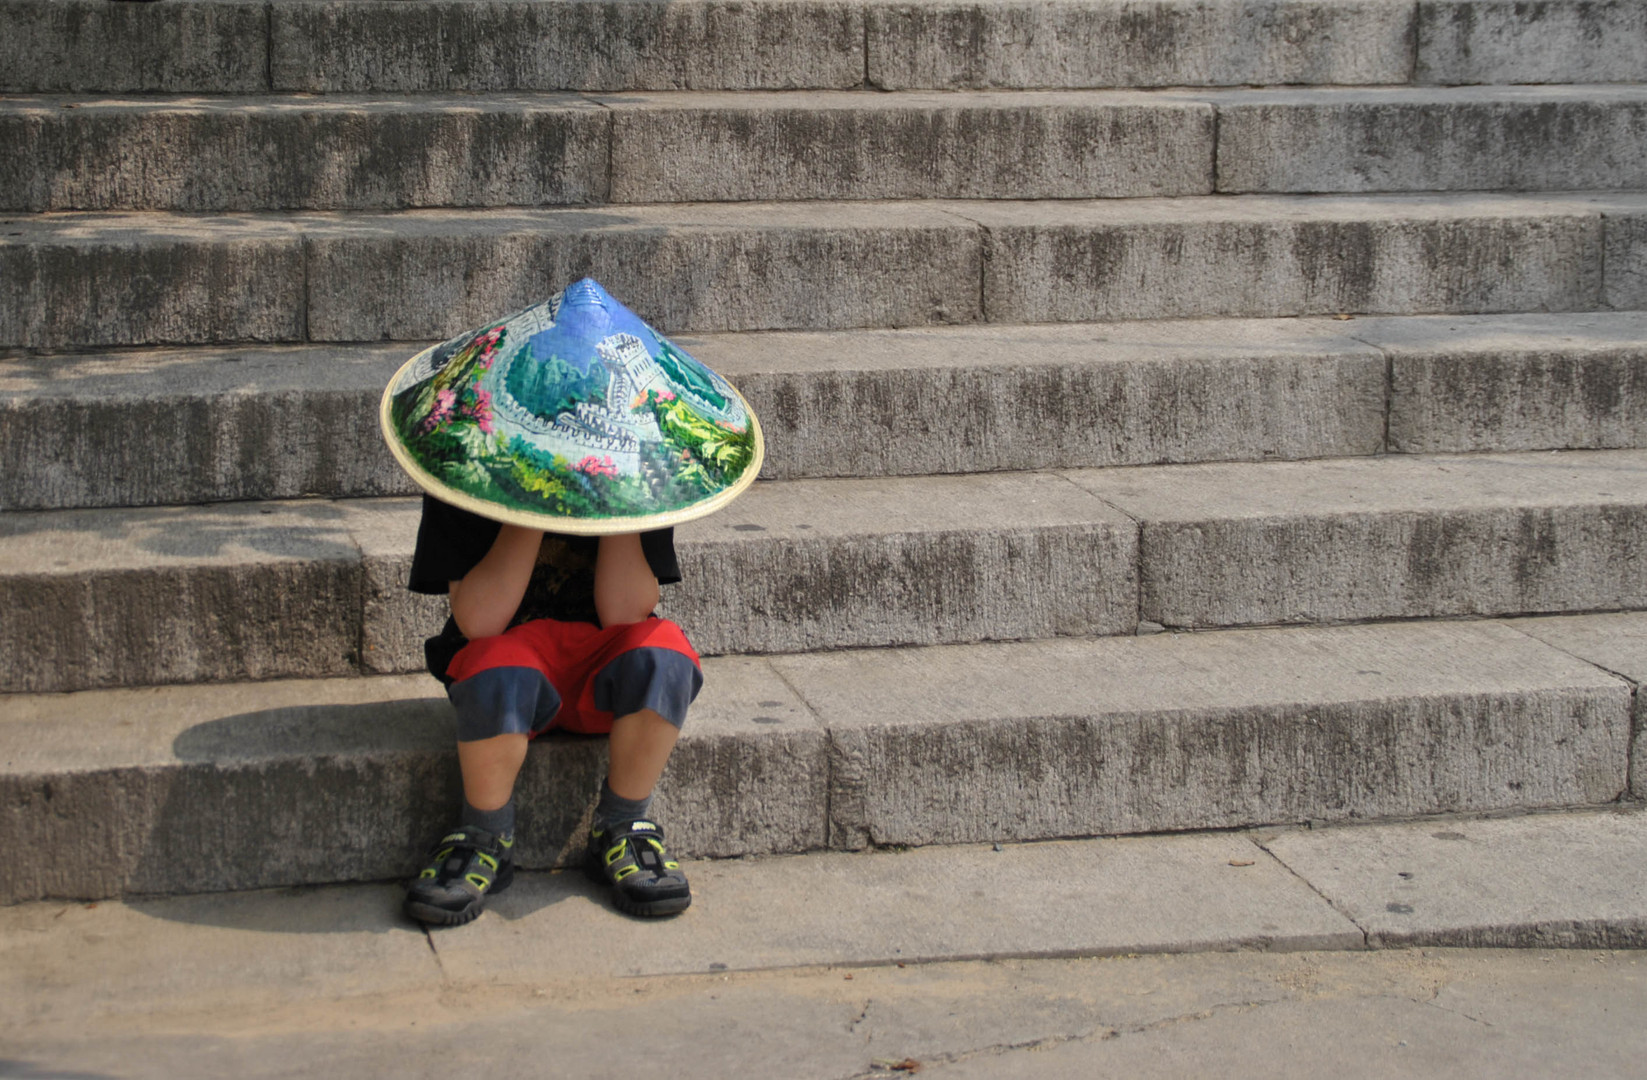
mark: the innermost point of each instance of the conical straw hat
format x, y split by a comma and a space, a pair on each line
572, 416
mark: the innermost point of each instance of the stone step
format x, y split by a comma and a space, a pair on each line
108, 598
342, 46
368, 153
373, 46
1507, 41
161, 596
159, 427
1492, 138
352, 152
339, 780
1394, 537
88, 280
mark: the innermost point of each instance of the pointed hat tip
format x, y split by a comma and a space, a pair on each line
587, 291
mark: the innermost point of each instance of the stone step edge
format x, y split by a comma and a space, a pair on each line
319, 47
1078, 737
93, 153
1286, 389
140, 597
290, 278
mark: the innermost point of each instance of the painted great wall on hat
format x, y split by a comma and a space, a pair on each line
572, 416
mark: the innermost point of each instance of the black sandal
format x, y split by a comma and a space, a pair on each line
632, 860
466, 867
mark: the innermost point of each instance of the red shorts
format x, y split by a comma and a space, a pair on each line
547, 674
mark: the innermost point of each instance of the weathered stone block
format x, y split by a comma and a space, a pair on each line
1615, 643
1071, 738
970, 45
1277, 255
822, 564
1540, 881
302, 153
92, 46
975, 399
700, 267
1468, 139
1394, 537
1514, 382
339, 46
111, 598
136, 279
710, 147
396, 621
1547, 41
1626, 286
188, 426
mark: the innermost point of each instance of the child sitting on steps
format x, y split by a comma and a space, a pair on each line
552, 631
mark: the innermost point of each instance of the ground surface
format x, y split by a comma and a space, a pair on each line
1243, 955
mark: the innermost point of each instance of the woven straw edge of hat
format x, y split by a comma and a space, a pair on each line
550, 523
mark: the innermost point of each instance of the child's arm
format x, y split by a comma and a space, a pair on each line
626, 590
486, 598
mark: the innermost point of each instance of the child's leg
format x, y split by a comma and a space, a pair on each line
650, 689
489, 768
501, 695
641, 743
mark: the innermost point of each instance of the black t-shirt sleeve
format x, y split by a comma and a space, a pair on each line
659, 548
449, 544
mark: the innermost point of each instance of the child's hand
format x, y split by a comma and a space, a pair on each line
626, 590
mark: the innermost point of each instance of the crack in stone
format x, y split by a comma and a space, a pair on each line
955, 1057
1101, 1034
440, 964
1432, 1003
1201, 1014
852, 1027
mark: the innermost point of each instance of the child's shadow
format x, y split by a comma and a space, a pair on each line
343, 793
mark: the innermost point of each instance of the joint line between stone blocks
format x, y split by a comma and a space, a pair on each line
1389, 383
1412, 48
363, 603
1366, 938
866, 83
611, 148
986, 253
829, 752
268, 46
306, 248
1635, 700
1601, 266
1217, 177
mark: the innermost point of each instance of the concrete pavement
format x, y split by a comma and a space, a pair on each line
1030, 960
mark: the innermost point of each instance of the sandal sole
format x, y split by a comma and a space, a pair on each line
429, 915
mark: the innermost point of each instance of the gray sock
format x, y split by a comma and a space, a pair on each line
614, 809
499, 822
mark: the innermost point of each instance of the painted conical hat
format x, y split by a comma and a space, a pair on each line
572, 416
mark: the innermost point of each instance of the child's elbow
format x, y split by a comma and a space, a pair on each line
629, 605
474, 617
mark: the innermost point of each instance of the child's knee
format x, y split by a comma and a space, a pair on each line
503, 701
649, 677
